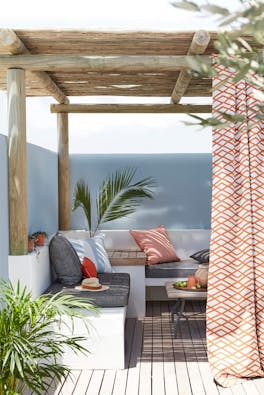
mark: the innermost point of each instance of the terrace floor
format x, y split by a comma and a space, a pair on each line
158, 364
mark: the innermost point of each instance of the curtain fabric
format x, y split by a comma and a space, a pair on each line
235, 306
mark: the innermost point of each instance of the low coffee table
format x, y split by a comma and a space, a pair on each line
180, 296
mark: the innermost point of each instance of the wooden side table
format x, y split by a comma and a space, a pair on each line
180, 296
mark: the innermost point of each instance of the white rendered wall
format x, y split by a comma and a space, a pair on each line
32, 270
137, 296
105, 341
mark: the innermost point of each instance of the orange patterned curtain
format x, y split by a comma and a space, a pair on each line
235, 307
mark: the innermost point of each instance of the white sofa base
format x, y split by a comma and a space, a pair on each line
137, 296
105, 341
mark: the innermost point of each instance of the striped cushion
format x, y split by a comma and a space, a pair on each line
201, 256
93, 249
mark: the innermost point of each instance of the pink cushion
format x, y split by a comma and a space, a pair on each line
156, 245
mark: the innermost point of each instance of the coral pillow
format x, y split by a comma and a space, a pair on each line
88, 268
156, 245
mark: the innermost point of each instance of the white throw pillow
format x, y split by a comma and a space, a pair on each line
93, 249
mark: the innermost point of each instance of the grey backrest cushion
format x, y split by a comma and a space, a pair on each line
64, 260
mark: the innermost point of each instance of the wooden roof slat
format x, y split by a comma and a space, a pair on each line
130, 79
109, 42
15, 46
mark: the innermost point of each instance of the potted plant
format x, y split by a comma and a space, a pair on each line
118, 196
30, 345
31, 243
40, 237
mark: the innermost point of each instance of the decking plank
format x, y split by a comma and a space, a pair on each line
249, 387
259, 384
146, 355
158, 387
108, 382
191, 358
55, 387
95, 382
224, 391
119, 387
198, 337
134, 363
156, 363
83, 382
170, 382
70, 383
184, 386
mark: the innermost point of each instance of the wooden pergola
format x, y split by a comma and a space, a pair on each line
90, 63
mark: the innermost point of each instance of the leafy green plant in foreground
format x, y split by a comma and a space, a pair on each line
239, 45
30, 343
118, 196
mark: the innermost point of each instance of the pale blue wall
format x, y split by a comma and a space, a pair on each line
42, 195
42, 189
4, 235
183, 198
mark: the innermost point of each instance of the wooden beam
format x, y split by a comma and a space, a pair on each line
63, 171
198, 46
17, 163
131, 108
77, 63
15, 46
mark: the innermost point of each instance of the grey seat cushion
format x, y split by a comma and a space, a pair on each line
183, 268
116, 296
65, 261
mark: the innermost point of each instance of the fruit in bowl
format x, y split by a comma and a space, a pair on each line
180, 284
184, 284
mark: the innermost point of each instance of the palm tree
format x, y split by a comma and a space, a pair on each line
118, 196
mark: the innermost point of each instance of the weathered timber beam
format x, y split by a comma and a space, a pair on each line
97, 63
131, 108
63, 171
15, 46
198, 46
17, 163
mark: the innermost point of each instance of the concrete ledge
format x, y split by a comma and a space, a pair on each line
32, 270
105, 342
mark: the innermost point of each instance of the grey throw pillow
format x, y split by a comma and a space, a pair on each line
201, 256
65, 261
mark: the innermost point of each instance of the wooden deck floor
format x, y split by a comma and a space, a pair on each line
158, 364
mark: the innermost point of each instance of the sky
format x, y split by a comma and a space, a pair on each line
108, 133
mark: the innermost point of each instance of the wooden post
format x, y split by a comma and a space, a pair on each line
198, 46
63, 171
17, 161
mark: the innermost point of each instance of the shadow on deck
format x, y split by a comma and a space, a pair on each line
156, 362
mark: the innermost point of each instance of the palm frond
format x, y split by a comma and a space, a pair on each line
82, 198
30, 343
118, 197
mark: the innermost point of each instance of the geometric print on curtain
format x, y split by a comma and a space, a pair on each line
235, 305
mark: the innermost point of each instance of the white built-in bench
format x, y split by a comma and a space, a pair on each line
106, 340
107, 337
125, 255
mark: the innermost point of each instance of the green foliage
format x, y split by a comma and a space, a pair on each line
82, 198
118, 196
240, 46
30, 343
